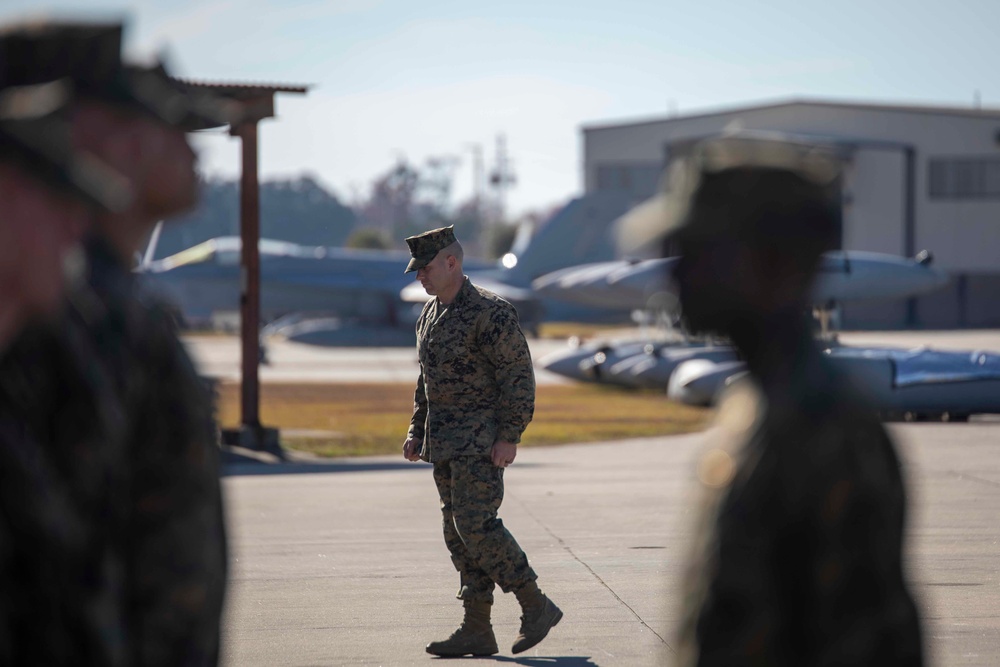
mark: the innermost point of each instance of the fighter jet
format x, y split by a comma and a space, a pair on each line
580, 233
911, 384
625, 284
331, 294
202, 283
635, 363
594, 363
915, 384
643, 284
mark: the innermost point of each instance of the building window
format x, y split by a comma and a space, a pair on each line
964, 178
641, 180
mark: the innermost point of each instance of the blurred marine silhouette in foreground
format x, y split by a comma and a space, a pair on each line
798, 553
113, 546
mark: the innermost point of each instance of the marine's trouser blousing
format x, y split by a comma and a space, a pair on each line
483, 551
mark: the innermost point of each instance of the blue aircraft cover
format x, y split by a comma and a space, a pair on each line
921, 366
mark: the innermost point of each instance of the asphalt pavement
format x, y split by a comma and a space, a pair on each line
343, 563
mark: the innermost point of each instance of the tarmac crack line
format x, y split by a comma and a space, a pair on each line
596, 576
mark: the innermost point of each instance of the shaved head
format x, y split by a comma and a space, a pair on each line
454, 250
442, 276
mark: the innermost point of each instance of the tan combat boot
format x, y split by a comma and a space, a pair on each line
540, 616
473, 637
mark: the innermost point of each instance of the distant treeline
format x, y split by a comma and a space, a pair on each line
299, 210
402, 201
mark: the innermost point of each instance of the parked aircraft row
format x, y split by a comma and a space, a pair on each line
917, 382
203, 282
350, 291
333, 296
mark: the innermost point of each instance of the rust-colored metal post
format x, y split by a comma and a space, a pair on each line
250, 276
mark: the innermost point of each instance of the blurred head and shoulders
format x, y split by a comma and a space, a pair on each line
50, 191
750, 216
132, 117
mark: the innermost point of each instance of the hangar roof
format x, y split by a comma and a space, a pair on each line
965, 112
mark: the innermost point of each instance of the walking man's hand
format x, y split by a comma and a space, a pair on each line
503, 453
410, 448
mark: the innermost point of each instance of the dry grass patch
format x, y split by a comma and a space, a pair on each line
367, 419
583, 330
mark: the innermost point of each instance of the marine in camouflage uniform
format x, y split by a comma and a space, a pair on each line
45, 536
474, 398
174, 536
798, 554
124, 435
122, 424
799, 559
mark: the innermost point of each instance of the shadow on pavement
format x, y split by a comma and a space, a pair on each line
256, 468
554, 661
237, 462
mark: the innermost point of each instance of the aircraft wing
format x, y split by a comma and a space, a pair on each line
843, 276
415, 293
585, 285
856, 275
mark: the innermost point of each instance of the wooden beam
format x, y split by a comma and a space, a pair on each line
250, 275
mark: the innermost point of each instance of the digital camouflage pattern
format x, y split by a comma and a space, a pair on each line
125, 459
483, 551
476, 386
54, 609
425, 247
476, 383
175, 540
62, 499
798, 553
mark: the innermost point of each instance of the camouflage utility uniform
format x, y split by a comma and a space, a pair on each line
175, 541
64, 494
58, 576
476, 387
129, 471
799, 553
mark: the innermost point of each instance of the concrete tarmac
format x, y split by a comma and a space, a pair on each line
219, 356
343, 563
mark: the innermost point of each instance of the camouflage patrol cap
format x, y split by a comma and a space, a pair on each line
746, 185
425, 247
35, 139
89, 55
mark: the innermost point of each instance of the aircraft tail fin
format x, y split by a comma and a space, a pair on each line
154, 239
579, 233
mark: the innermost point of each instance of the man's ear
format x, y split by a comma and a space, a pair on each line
452, 262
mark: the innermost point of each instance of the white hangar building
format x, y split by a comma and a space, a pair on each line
918, 178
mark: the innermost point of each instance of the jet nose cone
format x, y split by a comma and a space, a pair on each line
700, 381
567, 363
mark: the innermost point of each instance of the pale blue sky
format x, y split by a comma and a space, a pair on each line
431, 77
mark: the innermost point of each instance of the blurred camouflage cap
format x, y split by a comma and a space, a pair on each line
425, 247
734, 181
89, 55
35, 138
